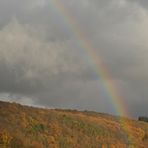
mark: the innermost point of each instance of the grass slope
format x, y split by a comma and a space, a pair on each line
28, 127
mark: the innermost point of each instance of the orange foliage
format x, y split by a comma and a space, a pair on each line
36, 144
43, 128
55, 129
5, 138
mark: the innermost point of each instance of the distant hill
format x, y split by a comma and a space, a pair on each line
29, 127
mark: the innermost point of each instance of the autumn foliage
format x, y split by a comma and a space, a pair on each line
28, 127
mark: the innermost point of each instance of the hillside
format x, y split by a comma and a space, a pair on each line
29, 127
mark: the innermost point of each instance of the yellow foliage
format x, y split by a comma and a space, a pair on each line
24, 122
136, 133
55, 129
104, 146
51, 140
45, 128
36, 144
112, 146
5, 138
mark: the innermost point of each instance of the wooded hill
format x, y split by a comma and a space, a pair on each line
29, 127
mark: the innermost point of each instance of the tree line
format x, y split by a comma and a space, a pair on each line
142, 118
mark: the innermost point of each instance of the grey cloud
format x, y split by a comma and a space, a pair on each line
41, 57
27, 62
143, 3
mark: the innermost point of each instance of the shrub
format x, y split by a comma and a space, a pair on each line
16, 143
145, 119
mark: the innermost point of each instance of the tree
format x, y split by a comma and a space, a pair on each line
141, 118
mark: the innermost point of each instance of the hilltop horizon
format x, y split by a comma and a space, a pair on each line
30, 127
68, 109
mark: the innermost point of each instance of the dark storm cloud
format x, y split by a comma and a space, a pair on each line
43, 63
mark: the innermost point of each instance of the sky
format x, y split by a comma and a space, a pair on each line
42, 62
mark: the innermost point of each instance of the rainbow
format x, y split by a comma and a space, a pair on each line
114, 96
100, 69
